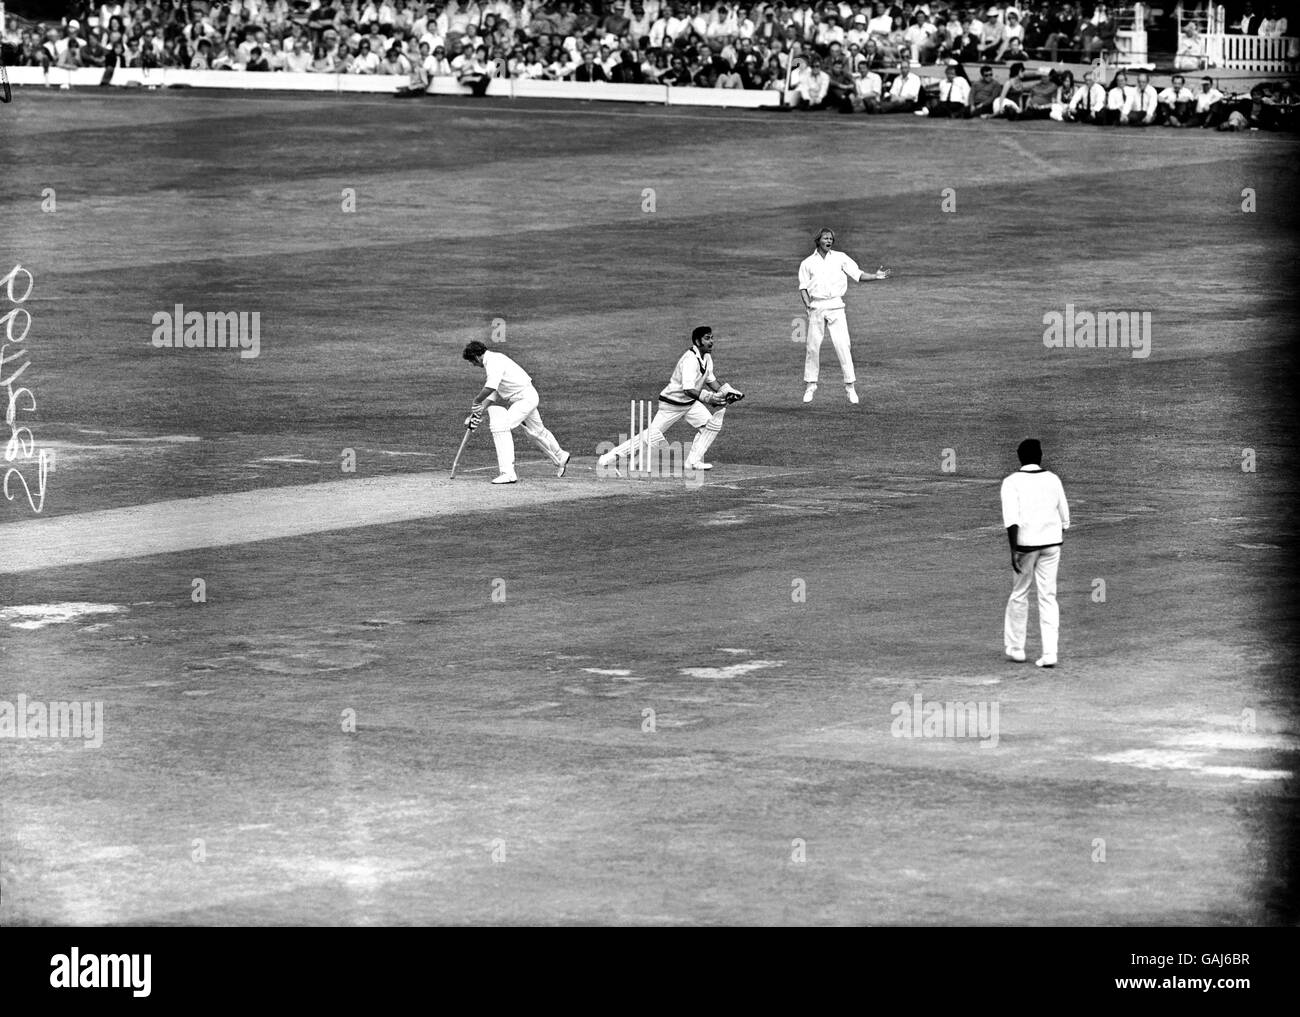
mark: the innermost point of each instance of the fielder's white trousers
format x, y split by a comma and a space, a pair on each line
822, 320
522, 410
1037, 568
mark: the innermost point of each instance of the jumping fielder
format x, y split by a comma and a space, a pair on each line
1036, 514
691, 389
510, 400
823, 280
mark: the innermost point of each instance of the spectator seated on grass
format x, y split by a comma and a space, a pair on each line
953, 98
1275, 106
1089, 103
904, 93
1015, 91
1175, 102
1065, 90
841, 87
1043, 96
984, 93
1140, 104
1117, 98
869, 88
1208, 103
813, 87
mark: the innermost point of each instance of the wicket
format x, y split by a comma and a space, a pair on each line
640, 413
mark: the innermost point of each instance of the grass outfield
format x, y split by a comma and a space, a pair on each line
500, 649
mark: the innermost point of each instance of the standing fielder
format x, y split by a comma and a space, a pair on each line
508, 383
823, 279
1036, 514
691, 388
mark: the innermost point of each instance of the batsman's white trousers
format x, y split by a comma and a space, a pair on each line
1039, 569
820, 321
522, 410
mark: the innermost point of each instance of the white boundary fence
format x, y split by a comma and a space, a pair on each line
1270, 54
288, 81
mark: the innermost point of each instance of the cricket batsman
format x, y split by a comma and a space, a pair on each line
823, 280
694, 393
510, 400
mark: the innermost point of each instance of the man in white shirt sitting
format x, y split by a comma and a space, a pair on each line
870, 89
904, 95
954, 95
1088, 105
1174, 102
1140, 105
814, 85
1205, 107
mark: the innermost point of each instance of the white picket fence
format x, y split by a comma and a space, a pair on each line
1252, 52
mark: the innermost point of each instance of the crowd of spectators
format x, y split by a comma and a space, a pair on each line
1128, 99
713, 45
846, 56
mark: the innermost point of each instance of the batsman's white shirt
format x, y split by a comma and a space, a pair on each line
1034, 500
503, 374
691, 372
826, 279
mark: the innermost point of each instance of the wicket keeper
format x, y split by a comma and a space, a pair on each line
692, 392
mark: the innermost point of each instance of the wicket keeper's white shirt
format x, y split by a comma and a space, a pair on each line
825, 278
503, 374
691, 372
1034, 500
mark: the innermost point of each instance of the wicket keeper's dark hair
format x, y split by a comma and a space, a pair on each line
700, 332
1030, 451
473, 350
